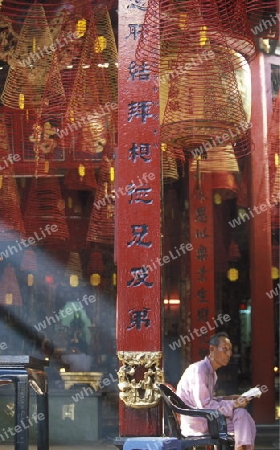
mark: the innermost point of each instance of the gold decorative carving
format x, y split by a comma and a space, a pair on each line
90, 378
138, 378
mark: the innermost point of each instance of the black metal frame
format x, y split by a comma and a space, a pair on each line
217, 425
25, 371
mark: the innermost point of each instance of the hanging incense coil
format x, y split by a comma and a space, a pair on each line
95, 263
75, 23
107, 44
167, 24
108, 47
74, 265
63, 22
45, 207
68, 57
90, 105
243, 145
217, 159
205, 103
57, 14
105, 173
11, 223
190, 52
26, 78
53, 102
17, 10
169, 167
102, 218
172, 158
37, 141
90, 86
91, 136
101, 226
47, 143
29, 261
9, 288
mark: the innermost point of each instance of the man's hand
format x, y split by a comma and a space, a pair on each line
241, 402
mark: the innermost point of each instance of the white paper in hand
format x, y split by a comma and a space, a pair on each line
253, 392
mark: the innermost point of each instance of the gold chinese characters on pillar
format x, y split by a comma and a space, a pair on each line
138, 378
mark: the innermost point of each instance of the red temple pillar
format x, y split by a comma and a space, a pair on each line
260, 241
203, 322
138, 239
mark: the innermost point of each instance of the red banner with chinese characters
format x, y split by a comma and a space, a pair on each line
137, 226
201, 266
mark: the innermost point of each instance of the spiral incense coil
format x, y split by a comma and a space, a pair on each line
57, 13
53, 101
11, 223
109, 52
102, 219
74, 265
95, 263
72, 39
104, 175
16, 11
9, 288
169, 168
26, 78
171, 159
44, 208
168, 24
69, 28
101, 225
91, 88
29, 261
205, 102
91, 109
47, 142
108, 47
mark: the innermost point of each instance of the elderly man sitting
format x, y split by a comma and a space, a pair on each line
196, 388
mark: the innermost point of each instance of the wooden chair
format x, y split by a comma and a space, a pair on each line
217, 426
